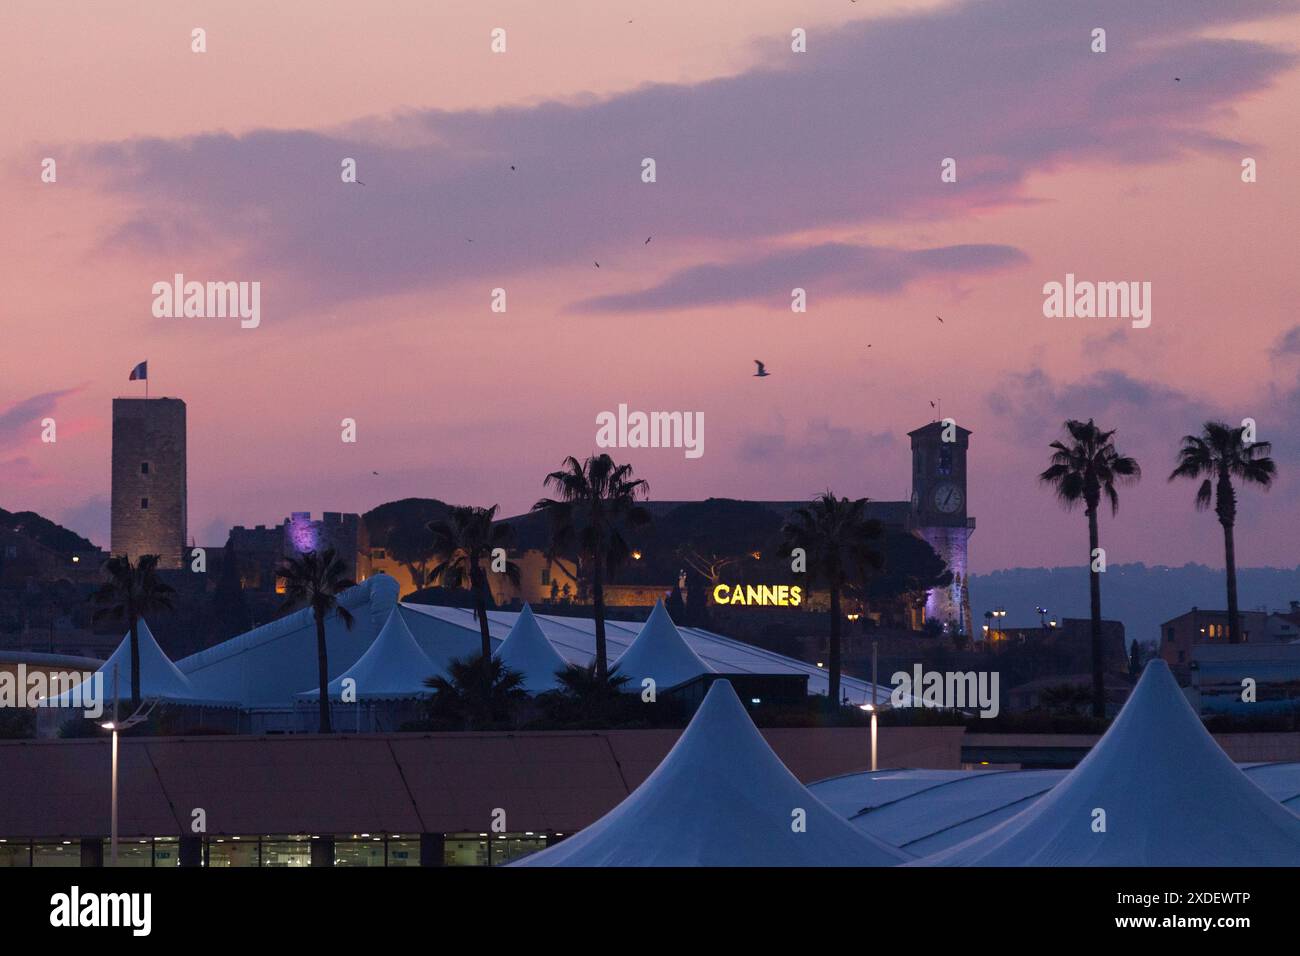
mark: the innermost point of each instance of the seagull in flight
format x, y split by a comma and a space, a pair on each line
762, 370
647, 240
597, 263
939, 317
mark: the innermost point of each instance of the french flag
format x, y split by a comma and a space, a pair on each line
140, 372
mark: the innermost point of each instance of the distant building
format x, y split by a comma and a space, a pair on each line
1199, 626
149, 479
345, 533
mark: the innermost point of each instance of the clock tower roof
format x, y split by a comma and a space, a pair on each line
934, 428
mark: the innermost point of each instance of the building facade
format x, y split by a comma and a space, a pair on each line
149, 506
938, 514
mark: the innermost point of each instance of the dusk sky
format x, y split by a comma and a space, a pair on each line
774, 170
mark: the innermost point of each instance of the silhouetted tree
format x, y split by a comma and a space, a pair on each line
317, 580
131, 592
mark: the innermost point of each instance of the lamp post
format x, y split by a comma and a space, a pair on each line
116, 725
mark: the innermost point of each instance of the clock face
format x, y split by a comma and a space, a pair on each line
947, 498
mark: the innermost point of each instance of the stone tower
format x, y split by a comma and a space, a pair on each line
149, 484
939, 513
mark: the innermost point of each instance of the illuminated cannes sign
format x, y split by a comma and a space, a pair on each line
780, 595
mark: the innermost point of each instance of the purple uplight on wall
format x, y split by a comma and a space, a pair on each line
301, 532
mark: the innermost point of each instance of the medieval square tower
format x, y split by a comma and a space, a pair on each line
149, 480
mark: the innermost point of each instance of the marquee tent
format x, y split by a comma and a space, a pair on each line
660, 652
720, 797
527, 651
160, 679
1156, 790
392, 668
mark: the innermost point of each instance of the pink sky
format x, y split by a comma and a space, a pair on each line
775, 169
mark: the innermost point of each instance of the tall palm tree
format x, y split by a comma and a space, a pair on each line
131, 592
1084, 467
597, 502
317, 580
842, 548
1218, 455
464, 540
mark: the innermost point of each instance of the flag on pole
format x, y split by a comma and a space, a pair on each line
140, 372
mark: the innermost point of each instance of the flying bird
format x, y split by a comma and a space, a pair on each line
1178, 79
932, 405
762, 370
647, 240
512, 169
597, 263
939, 317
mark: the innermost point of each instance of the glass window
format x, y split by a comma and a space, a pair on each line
14, 854
511, 846
144, 468
144, 504
403, 852
546, 576
287, 851
465, 849
129, 853
66, 853
360, 853
230, 852
166, 851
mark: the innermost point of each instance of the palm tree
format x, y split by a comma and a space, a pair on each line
840, 544
131, 592
317, 580
1219, 454
461, 694
1083, 469
464, 540
597, 501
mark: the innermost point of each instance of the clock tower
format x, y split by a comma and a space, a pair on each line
938, 513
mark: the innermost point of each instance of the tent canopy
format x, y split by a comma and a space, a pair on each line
660, 652
527, 650
720, 797
392, 668
1156, 790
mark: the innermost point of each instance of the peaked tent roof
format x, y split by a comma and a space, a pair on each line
267, 666
720, 798
160, 679
392, 668
527, 650
660, 652
1171, 797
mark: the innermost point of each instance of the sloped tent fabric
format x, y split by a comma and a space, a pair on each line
267, 666
392, 668
1170, 795
527, 650
160, 679
660, 652
721, 797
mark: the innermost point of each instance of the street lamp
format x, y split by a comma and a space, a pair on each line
115, 725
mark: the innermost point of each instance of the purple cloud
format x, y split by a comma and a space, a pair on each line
851, 132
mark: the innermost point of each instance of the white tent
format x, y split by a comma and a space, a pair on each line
1164, 790
160, 679
720, 798
392, 668
527, 650
660, 652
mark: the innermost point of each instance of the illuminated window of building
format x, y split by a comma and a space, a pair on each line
403, 852
15, 854
133, 853
166, 851
511, 846
286, 851
360, 852
465, 849
228, 851
63, 853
